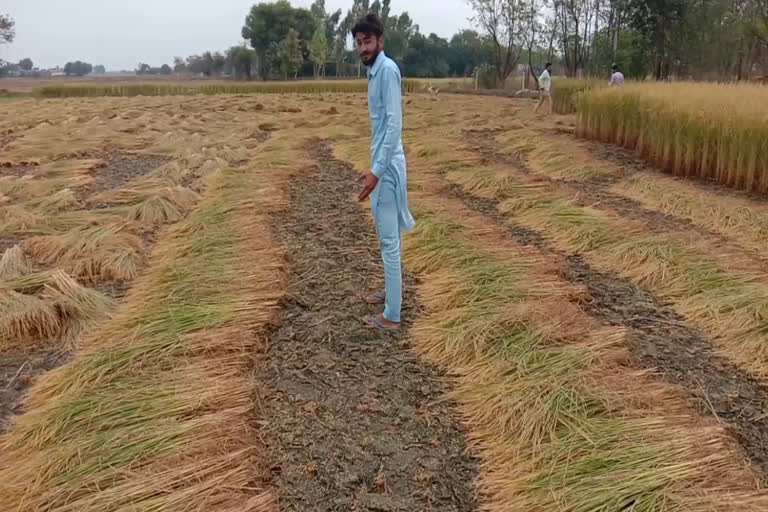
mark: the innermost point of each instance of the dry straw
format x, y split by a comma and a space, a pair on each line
153, 413
708, 131
542, 389
168, 89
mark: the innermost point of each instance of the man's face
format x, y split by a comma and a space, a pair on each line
549, 68
369, 47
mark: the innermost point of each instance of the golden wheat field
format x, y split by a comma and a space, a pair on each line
182, 281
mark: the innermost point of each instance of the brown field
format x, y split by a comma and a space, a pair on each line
30, 84
181, 287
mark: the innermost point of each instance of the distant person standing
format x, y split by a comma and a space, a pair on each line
385, 183
545, 86
617, 77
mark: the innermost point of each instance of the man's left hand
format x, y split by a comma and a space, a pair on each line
369, 182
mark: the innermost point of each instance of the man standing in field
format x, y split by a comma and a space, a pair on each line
617, 77
545, 84
386, 181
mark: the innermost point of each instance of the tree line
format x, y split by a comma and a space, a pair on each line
26, 67
286, 42
660, 39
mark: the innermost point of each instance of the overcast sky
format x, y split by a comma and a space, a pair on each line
120, 34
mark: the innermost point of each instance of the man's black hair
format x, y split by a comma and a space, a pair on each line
547, 64
369, 25
615, 67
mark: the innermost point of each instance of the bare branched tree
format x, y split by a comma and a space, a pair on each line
504, 22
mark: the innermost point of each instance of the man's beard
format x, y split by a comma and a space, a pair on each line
368, 61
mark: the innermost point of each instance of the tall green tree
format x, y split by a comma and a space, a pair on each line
77, 68
339, 51
467, 51
399, 32
26, 64
427, 57
290, 54
241, 62
179, 66
331, 22
660, 22
332, 25
267, 26
318, 51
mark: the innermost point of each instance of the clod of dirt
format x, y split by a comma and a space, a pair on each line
257, 107
289, 108
8, 242
352, 418
332, 111
268, 127
113, 289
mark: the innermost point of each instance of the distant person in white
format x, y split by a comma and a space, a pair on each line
617, 78
545, 84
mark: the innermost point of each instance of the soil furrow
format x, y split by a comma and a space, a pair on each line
17, 372
631, 162
354, 420
594, 192
660, 340
119, 170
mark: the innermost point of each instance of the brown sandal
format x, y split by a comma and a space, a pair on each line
376, 298
373, 322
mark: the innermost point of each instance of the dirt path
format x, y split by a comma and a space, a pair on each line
354, 419
659, 339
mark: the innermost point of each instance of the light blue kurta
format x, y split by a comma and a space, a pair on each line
389, 201
385, 105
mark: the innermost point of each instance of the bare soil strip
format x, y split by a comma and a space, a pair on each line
355, 421
17, 372
120, 169
659, 339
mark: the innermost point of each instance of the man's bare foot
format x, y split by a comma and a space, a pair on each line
379, 322
376, 298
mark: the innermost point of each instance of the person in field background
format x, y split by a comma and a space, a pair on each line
545, 86
385, 183
617, 77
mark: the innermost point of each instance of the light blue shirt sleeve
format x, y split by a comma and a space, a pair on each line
393, 125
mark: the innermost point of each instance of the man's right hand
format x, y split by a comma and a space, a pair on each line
369, 181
